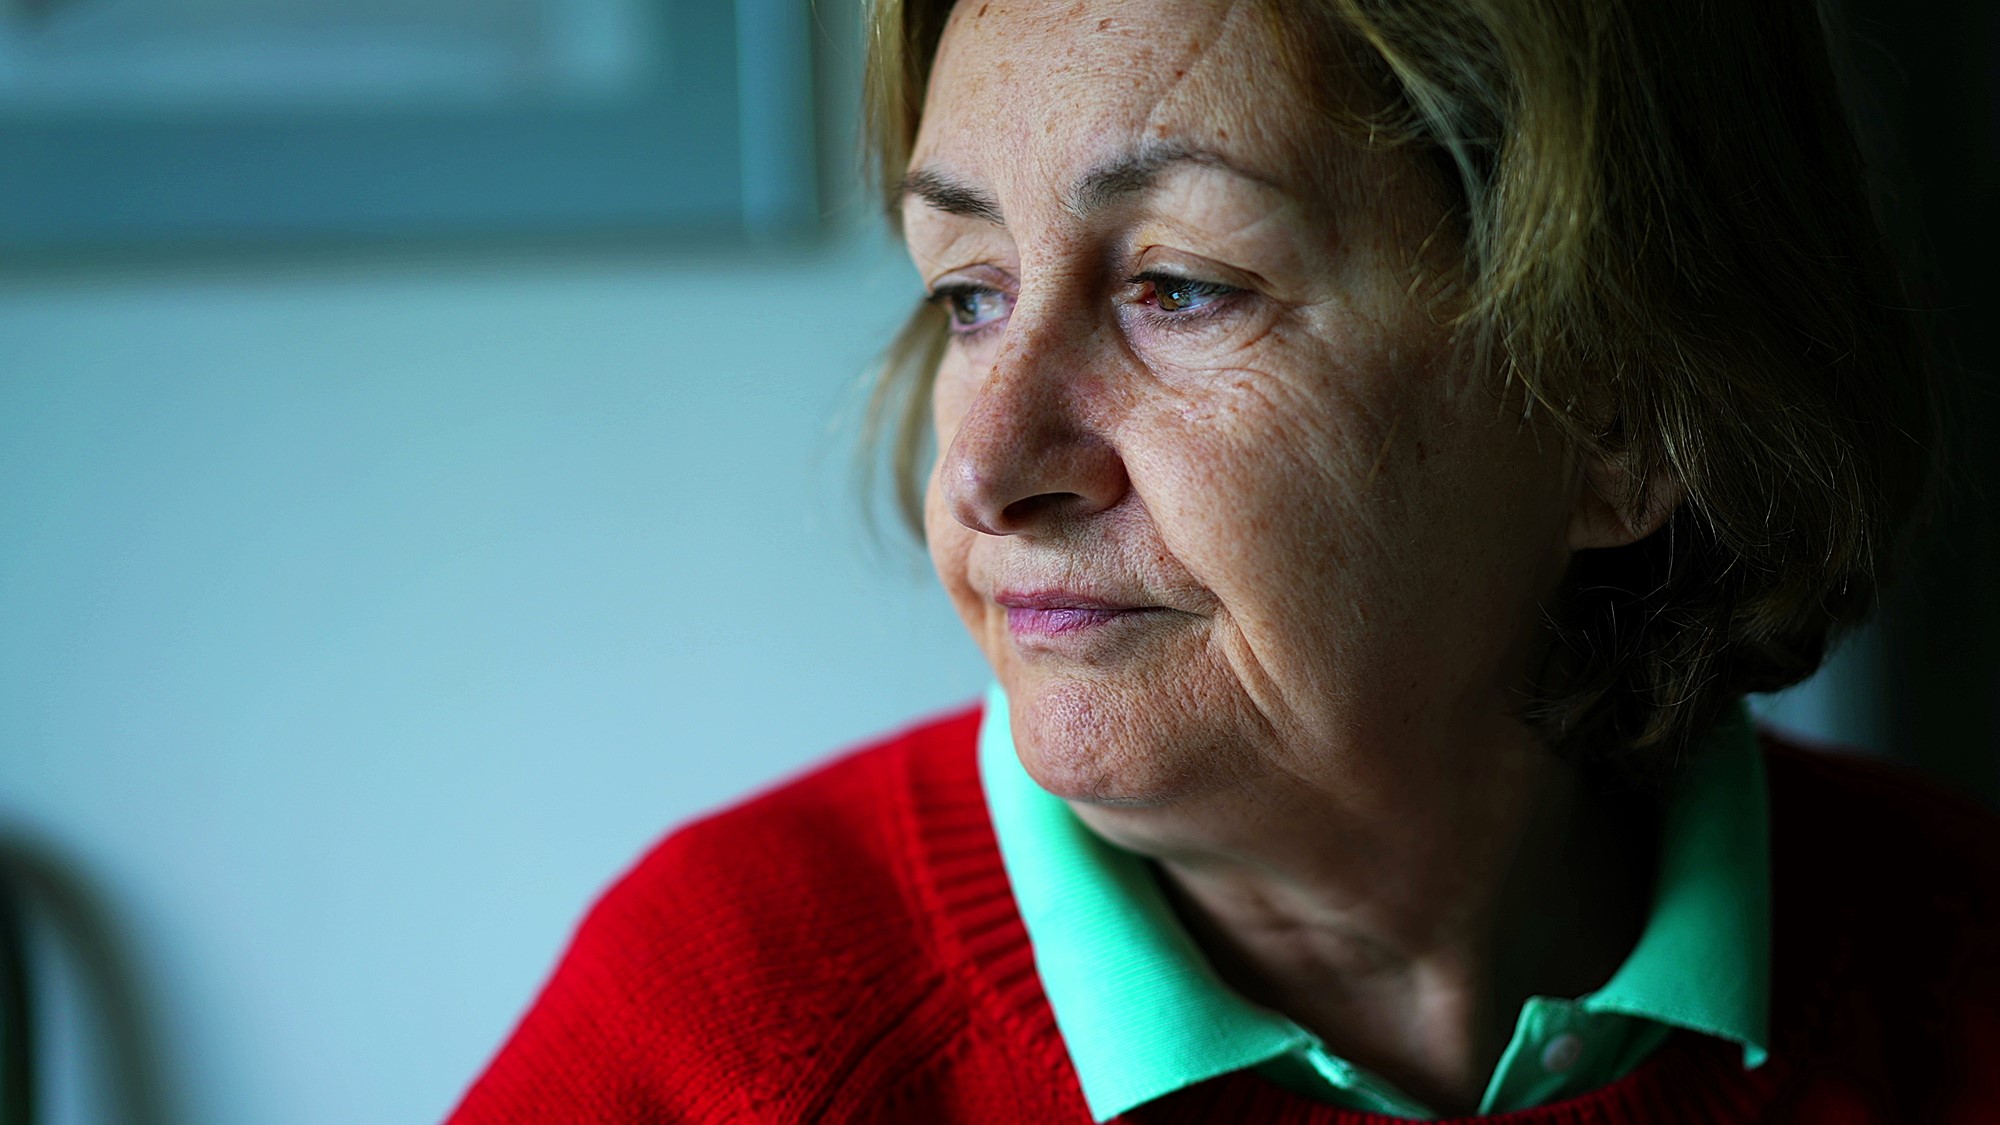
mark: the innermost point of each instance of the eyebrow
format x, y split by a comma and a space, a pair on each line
953, 197
1137, 171
1130, 174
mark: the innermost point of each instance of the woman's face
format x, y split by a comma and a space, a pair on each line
1214, 495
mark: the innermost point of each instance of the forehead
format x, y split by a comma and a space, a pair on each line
1040, 88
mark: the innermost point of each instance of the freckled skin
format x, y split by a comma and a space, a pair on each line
1348, 532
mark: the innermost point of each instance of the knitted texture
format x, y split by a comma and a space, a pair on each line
846, 949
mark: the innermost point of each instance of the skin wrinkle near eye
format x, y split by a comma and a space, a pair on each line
967, 250
1262, 385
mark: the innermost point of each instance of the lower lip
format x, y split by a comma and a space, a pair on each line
1063, 621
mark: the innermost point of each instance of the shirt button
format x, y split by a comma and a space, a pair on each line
1562, 1052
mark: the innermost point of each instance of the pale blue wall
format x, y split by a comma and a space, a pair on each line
1842, 707
357, 624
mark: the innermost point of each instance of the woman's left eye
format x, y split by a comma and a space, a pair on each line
1174, 294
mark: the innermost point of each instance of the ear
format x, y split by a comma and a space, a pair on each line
1605, 515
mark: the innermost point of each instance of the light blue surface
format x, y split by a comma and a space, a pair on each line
1843, 706
713, 132
357, 626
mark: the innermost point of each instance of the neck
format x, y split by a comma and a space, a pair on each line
1407, 934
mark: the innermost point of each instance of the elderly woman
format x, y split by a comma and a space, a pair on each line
1376, 445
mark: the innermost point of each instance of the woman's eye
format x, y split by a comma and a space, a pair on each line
1178, 294
971, 306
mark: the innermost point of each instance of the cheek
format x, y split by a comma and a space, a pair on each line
1394, 511
951, 546
1294, 492
948, 541
1269, 480
951, 394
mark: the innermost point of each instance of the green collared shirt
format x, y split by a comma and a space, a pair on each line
1143, 1014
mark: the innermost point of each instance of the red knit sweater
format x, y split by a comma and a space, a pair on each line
845, 949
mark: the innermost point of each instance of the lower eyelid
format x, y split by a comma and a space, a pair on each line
1228, 313
970, 332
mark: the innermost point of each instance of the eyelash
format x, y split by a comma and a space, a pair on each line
945, 296
1160, 280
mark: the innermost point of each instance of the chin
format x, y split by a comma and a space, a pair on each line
1094, 744
1116, 779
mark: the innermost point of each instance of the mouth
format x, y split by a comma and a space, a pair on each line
1049, 614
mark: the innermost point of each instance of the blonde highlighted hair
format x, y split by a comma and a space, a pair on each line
1669, 246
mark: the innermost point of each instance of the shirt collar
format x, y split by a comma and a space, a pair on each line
1140, 1009
1703, 961
1143, 1014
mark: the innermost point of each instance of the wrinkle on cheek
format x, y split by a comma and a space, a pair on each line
952, 389
1233, 392
1329, 442
1258, 338
1283, 369
951, 547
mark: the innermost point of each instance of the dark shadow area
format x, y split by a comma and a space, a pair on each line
54, 905
17, 1014
1930, 86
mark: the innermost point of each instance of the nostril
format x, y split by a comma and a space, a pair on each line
1025, 453
1011, 487
1040, 508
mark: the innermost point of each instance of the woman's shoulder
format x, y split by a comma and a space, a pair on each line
1885, 898
1878, 816
837, 836
1870, 859
753, 957
1864, 845
797, 870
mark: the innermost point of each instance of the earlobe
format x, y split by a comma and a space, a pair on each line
1610, 513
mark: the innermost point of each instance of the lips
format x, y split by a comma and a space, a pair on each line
1059, 613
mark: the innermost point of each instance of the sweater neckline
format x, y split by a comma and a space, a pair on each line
963, 885
1144, 1013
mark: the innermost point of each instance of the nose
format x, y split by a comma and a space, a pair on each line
1031, 452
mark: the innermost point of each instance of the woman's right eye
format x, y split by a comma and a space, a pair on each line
971, 307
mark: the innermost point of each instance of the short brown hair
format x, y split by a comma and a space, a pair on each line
1670, 246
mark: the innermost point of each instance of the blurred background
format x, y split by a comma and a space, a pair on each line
425, 444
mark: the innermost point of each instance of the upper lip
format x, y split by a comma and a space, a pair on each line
1058, 599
